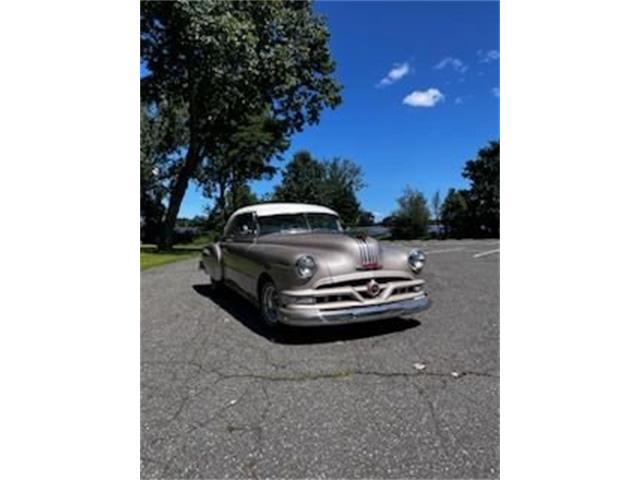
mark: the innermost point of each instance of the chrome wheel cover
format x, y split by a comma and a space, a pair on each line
270, 302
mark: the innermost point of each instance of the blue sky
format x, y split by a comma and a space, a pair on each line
421, 96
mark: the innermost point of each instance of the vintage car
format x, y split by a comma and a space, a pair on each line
297, 263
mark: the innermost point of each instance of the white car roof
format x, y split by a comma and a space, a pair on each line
265, 209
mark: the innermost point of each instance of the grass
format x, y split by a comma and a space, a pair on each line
151, 257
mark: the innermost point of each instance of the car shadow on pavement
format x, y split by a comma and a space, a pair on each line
249, 316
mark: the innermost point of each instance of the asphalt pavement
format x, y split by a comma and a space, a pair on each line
222, 397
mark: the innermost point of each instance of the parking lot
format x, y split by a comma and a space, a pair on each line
222, 397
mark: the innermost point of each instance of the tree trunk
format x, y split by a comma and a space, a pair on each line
178, 190
234, 197
234, 190
222, 201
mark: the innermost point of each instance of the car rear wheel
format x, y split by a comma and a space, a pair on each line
269, 304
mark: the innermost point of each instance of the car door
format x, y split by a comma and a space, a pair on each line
235, 247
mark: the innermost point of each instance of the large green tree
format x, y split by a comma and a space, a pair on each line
302, 180
225, 61
237, 196
456, 216
243, 156
484, 194
333, 183
411, 219
343, 179
160, 134
475, 212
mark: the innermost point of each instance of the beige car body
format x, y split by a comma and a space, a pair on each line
356, 278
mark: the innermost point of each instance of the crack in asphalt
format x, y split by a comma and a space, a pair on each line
256, 427
303, 377
350, 373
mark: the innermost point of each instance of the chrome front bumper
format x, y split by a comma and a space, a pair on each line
313, 317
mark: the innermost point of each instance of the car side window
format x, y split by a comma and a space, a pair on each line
242, 228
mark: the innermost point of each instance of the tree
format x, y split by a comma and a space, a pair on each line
225, 61
240, 196
342, 181
237, 196
366, 219
243, 156
159, 137
484, 194
388, 221
411, 219
456, 216
302, 180
333, 183
151, 188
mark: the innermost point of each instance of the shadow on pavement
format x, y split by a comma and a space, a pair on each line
248, 315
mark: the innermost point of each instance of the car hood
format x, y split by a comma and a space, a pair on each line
336, 254
339, 253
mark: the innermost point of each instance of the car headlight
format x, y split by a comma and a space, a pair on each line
305, 267
416, 260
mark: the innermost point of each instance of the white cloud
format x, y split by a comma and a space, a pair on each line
398, 71
496, 92
488, 56
458, 101
426, 98
455, 63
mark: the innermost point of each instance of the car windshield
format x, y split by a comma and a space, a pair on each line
299, 223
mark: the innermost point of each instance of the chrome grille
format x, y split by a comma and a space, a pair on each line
382, 280
353, 292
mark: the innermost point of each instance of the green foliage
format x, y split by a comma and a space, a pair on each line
240, 196
225, 59
237, 196
476, 212
241, 157
411, 219
226, 62
484, 194
160, 136
151, 257
332, 183
388, 221
199, 221
342, 180
302, 180
366, 219
455, 215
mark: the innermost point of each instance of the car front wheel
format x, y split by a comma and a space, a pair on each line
269, 304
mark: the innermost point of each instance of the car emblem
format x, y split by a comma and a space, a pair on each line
373, 288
